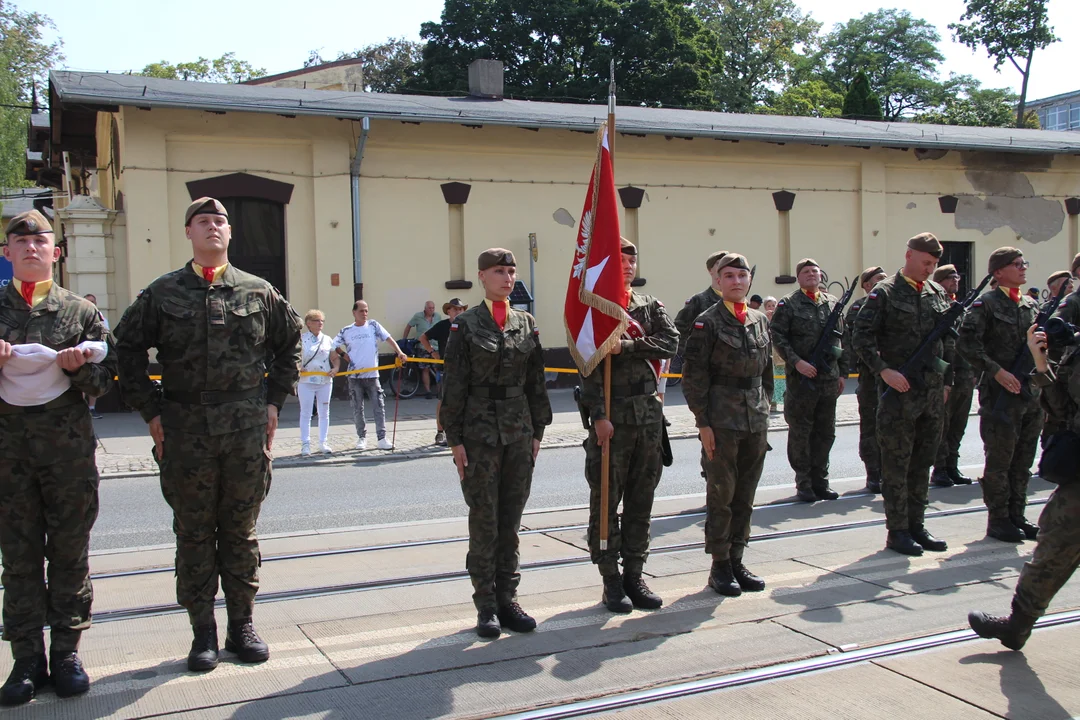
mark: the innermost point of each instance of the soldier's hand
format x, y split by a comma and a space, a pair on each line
604, 431
158, 434
1008, 381
948, 392
617, 349
71, 359
5, 352
842, 384
806, 369
271, 425
461, 460
708, 441
536, 449
896, 380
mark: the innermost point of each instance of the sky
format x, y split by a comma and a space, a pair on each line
121, 35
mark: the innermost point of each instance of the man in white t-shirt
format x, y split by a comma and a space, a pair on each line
360, 343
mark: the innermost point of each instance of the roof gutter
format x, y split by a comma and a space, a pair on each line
354, 186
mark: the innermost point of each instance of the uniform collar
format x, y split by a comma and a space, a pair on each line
731, 309
41, 290
219, 271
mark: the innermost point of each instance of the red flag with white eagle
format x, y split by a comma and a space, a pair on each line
596, 296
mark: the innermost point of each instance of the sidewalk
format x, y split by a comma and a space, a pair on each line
124, 443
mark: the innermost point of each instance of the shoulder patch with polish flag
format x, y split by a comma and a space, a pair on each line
688, 300
536, 332
453, 327
873, 295
699, 325
977, 303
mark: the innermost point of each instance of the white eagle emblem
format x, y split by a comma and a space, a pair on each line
583, 243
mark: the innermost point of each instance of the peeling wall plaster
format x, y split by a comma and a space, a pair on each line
1010, 202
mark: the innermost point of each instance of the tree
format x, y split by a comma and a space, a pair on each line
810, 98
966, 102
1010, 30
561, 49
897, 52
387, 66
760, 41
861, 103
225, 69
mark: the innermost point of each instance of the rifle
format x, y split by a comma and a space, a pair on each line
582, 410
947, 324
824, 350
1023, 364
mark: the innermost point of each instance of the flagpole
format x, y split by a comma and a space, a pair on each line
605, 463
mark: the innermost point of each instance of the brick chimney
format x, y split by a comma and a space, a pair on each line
486, 79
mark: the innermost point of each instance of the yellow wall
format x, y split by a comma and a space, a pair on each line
853, 207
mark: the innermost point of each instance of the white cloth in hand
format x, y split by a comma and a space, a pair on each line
32, 377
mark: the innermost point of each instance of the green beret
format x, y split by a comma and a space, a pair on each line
1059, 275
869, 273
927, 243
1002, 257
1075, 263
805, 263
204, 206
710, 263
495, 256
733, 260
30, 222
944, 272
628, 247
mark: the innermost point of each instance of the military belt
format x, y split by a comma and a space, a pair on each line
643, 387
743, 383
212, 397
496, 392
70, 397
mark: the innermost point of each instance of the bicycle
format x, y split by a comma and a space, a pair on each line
407, 380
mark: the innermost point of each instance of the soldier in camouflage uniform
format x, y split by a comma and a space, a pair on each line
1069, 309
697, 304
992, 334
1053, 423
217, 330
494, 410
634, 430
866, 392
955, 419
810, 397
48, 476
1057, 553
895, 317
727, 382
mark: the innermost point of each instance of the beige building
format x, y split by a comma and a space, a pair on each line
336, 194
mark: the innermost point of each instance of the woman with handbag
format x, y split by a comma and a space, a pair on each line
315, 389
1057, 553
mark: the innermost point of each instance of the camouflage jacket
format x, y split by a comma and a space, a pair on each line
61, 321
1069, 309
694, 306
796, 326
850, 362
631, 373
1060, 390
722, 355
893, 321
994, 331
481, 360
209, 338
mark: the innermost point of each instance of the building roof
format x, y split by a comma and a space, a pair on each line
1053, 99
264, 79
104, 89
19, 200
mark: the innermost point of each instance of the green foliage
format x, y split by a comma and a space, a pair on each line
761, 42
561, 49
387, 66
861, 103
966, 102
810, 98
1010, 31
225, 69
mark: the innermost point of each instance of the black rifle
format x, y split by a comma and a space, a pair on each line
1023, 364
914, 365
584, 411
824, 350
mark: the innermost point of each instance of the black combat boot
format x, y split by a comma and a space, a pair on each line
1030, 529
245, 642
512, 617
487, 624
1013, 631
902, 542
28, 675
922, 536
204, 648
823, 491
804, 491
941, 478
639, 593
614, 597
958, 477
873, 481
1003, 529
68, 676
747, 580
722, 579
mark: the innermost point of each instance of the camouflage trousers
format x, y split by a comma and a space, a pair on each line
954, 423
1009, 449
636, 464
913, 420
867, 395
496, 487
1057, 554
810, 413
215, 485
732, 479
48, 504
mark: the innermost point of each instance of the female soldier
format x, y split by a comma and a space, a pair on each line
494, 411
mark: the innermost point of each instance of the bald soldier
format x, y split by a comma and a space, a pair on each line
494, 410
53, 352
866, 393
697, 304
217, 331
954, 421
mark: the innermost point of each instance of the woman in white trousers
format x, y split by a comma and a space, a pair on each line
315, 357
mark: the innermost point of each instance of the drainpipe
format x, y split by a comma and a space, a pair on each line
354, 181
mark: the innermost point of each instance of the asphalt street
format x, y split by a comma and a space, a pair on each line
133, 513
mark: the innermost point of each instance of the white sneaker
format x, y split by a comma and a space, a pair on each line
327, 449
385, 444
305, 449
361, 444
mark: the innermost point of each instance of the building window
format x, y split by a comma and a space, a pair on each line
1074, 116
